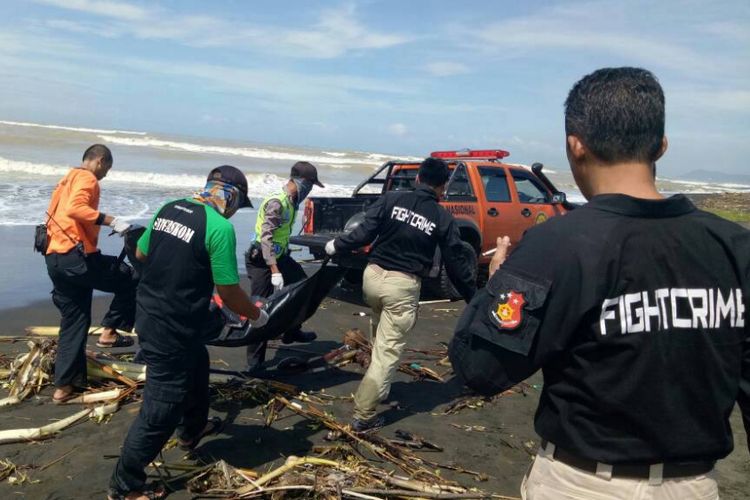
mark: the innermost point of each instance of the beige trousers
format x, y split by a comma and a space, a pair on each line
550, 479
394, 299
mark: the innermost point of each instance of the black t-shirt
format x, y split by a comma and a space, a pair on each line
189, 248
635, 312
409, 226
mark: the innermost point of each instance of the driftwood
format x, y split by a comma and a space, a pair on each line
54, 331
49, 430
30, 372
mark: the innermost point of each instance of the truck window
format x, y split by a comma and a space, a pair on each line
495, 184
404, 179
459, 187
529, 190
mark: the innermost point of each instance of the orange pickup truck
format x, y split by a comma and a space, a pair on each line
488, 198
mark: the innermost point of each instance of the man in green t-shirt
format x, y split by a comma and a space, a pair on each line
188, 249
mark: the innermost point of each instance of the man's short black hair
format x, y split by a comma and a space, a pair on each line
618, 113
97, 151
433, 172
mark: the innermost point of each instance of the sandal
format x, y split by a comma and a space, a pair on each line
216, 426
120, 341
60, 401
151, 491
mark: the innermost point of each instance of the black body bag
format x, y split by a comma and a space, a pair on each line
287, 308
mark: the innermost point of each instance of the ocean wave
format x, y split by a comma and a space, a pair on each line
331, 159
259, 185
711, 187
72, 129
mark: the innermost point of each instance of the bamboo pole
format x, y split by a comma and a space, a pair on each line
54, 331
95, 397
16, 435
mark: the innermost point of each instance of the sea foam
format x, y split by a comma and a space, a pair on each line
72, 129
328, 158
259, 184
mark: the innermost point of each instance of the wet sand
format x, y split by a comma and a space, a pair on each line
500, 452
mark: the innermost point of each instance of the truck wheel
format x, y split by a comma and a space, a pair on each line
441, 285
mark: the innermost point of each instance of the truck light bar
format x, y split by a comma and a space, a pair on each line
471, 153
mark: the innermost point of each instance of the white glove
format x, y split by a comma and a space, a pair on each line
261, 321
277, 280
119, 226
330, 248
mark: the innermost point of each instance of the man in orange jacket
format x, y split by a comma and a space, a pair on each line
76, 267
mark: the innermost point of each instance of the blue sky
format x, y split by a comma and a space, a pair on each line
402, 77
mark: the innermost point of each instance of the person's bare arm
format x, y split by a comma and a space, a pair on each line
140, 255
235, 298
503, 244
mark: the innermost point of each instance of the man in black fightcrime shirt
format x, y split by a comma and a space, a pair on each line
409, 226
634, 307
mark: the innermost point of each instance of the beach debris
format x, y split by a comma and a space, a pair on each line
54, 331
128, 373
357, 348
470, 428
96, 396
15, 474
30, 371
473, 401
411, 440
49, 430
337, 472
383, 449
437, 301
220, 477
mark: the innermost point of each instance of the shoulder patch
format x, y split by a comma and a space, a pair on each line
508, 309
511, 310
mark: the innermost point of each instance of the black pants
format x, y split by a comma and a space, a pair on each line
260, 284
74, 279
175, 398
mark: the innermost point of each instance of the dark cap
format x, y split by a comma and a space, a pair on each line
234, 176
305, 170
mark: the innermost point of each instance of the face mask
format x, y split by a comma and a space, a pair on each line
303, 188
224, 197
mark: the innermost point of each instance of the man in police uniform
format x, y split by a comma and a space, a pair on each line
633, 306
269, 265
188, 248
409, 226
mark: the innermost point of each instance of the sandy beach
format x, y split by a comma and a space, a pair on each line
77, 463
501, 445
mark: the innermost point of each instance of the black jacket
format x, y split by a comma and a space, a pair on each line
409, 226
635, 310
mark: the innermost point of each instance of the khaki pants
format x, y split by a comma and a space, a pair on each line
550, 479
394, 298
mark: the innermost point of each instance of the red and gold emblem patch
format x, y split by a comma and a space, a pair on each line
508, 312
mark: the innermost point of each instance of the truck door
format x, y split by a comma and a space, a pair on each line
501, 216
459, 198
533, 198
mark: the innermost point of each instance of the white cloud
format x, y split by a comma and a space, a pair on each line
337, 32
446, 68
601, 28
106, 8
398, 129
